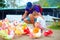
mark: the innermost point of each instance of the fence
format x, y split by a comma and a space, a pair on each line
46, 11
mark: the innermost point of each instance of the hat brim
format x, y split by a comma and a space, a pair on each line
29, 7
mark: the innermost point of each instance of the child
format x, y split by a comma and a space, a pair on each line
40, 23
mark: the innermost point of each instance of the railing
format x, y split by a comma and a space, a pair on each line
46, 11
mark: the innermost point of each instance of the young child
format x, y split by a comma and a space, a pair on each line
40, 23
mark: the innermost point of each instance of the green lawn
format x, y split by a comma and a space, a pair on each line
56, 27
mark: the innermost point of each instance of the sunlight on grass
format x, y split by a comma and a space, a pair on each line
56, 26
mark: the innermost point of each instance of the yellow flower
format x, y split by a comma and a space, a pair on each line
23, 27
35, 30
18, 32
0, 23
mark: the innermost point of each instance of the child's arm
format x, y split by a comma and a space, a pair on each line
40, 15
25, 14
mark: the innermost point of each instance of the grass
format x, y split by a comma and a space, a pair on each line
55, 27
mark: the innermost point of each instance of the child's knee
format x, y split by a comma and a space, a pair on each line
25, 20
31, 16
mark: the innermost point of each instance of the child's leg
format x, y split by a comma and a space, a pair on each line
31, 18
27, 20
37, 24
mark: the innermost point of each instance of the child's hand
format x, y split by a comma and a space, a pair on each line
23, 17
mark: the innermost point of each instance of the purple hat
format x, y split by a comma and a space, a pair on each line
29, 5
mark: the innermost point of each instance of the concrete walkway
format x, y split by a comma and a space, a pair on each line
55, 36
